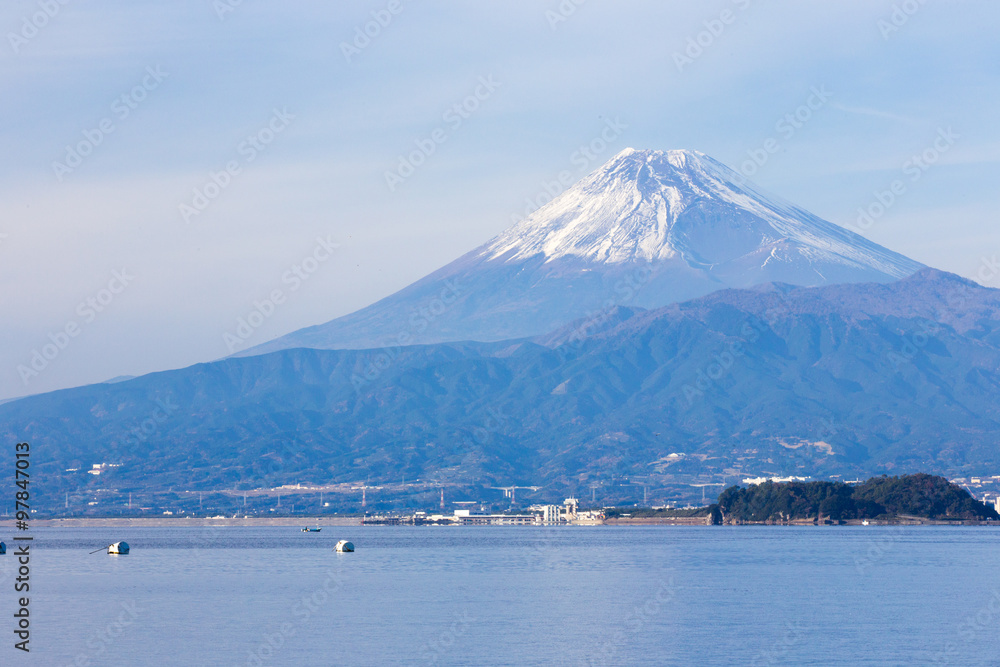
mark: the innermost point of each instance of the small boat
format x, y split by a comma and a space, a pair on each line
312, 530
865, 522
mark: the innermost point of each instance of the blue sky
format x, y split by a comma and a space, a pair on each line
198, 82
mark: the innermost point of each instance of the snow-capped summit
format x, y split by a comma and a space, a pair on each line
646, 229
661, 205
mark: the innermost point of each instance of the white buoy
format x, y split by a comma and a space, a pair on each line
118, 548
344, 546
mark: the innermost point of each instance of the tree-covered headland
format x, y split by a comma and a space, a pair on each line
884, 498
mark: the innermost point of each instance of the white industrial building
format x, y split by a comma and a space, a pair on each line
568, 513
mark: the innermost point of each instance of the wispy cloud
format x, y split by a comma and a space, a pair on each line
877, 113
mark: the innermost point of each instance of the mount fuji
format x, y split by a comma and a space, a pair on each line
647, 229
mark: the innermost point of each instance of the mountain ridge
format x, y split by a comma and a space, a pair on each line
690, 391
646, 229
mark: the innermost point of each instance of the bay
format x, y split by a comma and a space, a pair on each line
877, 595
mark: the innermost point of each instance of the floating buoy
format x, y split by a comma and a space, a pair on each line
118, 548
3, 548
344, 546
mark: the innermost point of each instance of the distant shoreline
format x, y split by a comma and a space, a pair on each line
183, 522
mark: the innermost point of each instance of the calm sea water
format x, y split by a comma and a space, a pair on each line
512, 596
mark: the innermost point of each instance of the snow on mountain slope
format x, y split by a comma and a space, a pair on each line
650, 205
647, 229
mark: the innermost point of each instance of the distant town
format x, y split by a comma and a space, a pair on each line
422, 501
569, 513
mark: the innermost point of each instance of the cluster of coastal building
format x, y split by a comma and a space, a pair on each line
776, 480
569, 513
986, 487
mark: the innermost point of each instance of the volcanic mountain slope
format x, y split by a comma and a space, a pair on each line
846, 379
647, 229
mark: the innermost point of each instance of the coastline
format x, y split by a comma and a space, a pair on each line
185, 522
660, 521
